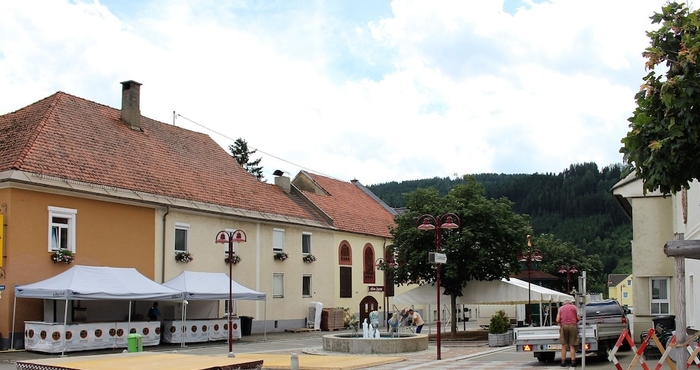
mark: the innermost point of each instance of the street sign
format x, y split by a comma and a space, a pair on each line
2, 287
375, 288
437, 258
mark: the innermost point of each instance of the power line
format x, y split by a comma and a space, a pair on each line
256, 149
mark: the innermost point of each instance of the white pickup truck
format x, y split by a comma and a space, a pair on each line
605, 321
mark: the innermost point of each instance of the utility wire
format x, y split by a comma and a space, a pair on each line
256, 149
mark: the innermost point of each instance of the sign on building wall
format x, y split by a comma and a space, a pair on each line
375, 288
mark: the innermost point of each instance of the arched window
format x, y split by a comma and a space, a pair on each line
345, 254
368, 264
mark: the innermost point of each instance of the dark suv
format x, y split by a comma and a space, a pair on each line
608, 311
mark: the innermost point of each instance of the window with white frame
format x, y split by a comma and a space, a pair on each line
277, 285
625, 295
306, 286
62, 229
306, 243
660, 302
233, 247
629, 282
278, 240
181, 237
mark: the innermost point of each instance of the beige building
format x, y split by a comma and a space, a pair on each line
118, 189
653, 273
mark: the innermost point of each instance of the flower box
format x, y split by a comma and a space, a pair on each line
235, 259
309, 258
62, 255
281, 256
185, 257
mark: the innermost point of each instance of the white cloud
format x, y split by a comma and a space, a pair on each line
412, 90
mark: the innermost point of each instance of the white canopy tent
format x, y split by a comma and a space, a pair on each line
214, 286
95, 283
513, 291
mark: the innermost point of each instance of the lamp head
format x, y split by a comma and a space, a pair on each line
426, 225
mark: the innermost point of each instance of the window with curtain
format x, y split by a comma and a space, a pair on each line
62, 227
278, 240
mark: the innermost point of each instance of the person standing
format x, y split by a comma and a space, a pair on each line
153, 312
567, 318
417, 320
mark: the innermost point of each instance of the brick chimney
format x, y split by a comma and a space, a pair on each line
131, 97
282, 181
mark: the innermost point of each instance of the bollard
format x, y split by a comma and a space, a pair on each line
295, 362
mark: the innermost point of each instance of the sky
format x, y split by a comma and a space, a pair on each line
372, 90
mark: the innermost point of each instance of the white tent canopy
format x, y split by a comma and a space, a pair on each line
214, 286
513, 291
211, 286
96, 282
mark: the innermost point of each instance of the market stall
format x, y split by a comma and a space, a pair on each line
203, 286
92, 283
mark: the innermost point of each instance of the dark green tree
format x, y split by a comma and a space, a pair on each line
239, 151
485, 247
557, 253
663, 144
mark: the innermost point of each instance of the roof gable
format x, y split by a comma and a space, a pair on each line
350, 207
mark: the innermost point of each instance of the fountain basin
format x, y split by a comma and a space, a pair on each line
350, 343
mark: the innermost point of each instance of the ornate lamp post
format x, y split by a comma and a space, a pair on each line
428, 222
230, 237
536, 256
568, 270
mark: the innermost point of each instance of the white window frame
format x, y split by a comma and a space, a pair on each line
659, 302
305, 235
625, 295
278, 240
186, 228
277, 285
234, 247
70, 227
311, 289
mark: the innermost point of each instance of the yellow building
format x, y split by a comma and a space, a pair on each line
620, 288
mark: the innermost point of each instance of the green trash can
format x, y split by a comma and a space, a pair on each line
134, 342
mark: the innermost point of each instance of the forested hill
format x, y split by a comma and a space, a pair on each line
575, 205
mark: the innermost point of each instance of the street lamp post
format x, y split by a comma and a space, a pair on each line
537, 257
568, 270
230, 237
428, 222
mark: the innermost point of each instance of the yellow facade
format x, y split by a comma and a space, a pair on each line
623, 292
106, 234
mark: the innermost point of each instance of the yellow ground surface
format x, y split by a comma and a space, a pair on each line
174, 361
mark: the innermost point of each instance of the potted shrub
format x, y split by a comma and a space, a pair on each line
499, 334
281, 256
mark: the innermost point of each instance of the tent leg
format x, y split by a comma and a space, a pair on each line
65, 322
265, 321
12, 335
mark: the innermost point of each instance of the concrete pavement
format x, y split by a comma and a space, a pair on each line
276, 349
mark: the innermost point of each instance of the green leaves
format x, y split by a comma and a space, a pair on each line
662, 144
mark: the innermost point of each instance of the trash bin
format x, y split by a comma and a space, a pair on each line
134, 343
246, 324
667, 321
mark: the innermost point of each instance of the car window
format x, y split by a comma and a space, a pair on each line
603, 308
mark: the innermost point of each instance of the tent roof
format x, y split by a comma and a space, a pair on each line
96, 282
211, 286
513, 291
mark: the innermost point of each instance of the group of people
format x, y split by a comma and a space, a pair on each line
409, 316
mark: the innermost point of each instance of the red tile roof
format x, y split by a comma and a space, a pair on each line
77, 139
351, 209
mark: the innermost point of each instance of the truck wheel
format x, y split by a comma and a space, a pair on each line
602, 350
546, 357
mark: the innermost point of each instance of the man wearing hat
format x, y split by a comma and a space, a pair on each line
567, 318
